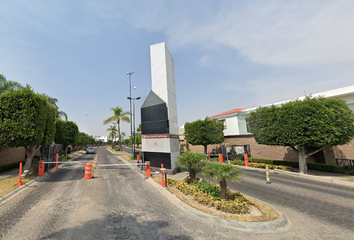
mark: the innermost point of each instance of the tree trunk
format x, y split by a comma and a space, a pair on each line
205, 149
66, 150
223, 188
192, 174
31, 151
120, 142
302, 161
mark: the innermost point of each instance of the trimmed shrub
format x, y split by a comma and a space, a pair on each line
208, 193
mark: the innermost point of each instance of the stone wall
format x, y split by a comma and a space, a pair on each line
11, 155
14, 155
275, 152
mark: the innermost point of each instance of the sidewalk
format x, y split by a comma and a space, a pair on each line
9, 173
347, 180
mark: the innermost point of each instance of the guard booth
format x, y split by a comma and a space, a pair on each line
236, 151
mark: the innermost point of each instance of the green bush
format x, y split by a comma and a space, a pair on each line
116, 148
313, 166
263, 165
208, 188
204, 192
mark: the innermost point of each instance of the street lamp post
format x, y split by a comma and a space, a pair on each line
130, 98
134, 115
134, 120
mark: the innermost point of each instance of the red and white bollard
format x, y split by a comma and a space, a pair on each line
20, 183
246, 160
221, 160
163, 180
56, 161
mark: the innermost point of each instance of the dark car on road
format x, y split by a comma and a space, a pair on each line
90, 150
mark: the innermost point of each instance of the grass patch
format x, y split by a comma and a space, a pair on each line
9, 184
349, 179
126, 157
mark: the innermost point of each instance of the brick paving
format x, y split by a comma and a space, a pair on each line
120, 204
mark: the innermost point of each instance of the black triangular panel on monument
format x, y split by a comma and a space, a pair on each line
154, 116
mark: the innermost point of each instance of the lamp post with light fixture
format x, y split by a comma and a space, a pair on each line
134, 98
130, 98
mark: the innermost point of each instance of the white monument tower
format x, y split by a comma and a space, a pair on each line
160, 141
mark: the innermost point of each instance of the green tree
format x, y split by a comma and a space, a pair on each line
67, 133
223, 173
191, 162
112, 134
91, 140
83, 139
58, 114
123, 135
138, 139
127, 141
139, 129
6, 85
204, 132
26, 120
119, 115
307, 126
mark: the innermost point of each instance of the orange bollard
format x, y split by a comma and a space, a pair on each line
147, 169
162, 176
56, 164
137, 158
20, 183
220, 158
41, 168
246, 160
88, 170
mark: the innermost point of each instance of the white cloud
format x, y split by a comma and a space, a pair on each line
266, 32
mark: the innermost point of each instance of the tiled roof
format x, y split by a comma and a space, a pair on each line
228, 112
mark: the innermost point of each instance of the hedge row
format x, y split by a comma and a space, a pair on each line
313, 166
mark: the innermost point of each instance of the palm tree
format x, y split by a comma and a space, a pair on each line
6, 85
118, 116
123, 135
223, 173
191, 162
58, 114
112, 134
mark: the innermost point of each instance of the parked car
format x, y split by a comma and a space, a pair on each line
90, 150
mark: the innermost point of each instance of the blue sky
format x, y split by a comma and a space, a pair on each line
227, 54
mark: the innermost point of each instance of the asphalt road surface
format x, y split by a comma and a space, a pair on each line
120, 204
316, 209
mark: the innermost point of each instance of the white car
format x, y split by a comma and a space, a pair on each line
90, 150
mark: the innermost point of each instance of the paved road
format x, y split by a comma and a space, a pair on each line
317, 209
120, 204
117, 204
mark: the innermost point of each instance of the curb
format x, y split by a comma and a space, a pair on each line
279, 225
333, 180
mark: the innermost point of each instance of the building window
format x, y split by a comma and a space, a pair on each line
247, 126
223, 121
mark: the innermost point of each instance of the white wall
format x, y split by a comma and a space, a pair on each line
163, 81
231, 125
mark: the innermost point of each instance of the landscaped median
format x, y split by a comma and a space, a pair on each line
205, 196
